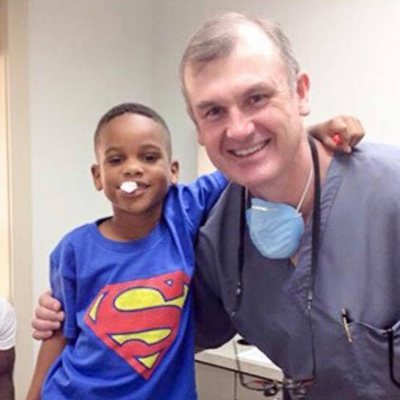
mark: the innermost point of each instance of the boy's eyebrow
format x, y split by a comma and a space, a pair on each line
112, 149
146, 146
151, 146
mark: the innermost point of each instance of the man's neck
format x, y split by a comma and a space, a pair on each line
289, 188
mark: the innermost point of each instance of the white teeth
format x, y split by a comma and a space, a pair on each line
128, 186
250, 150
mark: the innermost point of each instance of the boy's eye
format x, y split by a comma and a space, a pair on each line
151, 157
114, 160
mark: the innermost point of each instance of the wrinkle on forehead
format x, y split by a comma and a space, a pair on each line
245, 74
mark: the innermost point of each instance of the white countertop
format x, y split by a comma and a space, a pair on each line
252, 361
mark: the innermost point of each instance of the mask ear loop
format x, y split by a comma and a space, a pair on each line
303, 196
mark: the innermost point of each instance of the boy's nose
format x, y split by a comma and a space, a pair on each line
239, 125
133, 168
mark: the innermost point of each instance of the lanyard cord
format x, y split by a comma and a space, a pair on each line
316, 221
316, 224
240, 251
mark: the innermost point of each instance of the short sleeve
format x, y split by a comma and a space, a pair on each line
8, 325
63, 284
201, 195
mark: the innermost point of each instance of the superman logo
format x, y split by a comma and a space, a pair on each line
139, 319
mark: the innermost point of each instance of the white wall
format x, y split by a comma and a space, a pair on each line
349, 47
84, 57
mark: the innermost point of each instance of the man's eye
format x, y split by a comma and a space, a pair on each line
214, 113
258, 99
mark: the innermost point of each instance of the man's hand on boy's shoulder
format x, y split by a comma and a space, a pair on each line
340, 133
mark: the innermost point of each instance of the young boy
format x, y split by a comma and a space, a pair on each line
124, 280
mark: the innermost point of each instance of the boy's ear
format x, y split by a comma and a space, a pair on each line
174, 168
95, 170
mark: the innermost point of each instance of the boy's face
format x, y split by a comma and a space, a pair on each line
132, 147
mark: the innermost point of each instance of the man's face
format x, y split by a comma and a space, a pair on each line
246, 115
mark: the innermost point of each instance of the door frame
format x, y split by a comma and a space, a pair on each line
5, 265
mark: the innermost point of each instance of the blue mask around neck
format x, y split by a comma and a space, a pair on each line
275, 229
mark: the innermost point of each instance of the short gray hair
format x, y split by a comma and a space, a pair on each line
217, 37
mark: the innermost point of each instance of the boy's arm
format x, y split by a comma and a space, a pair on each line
7, 358
49, 351
340, 133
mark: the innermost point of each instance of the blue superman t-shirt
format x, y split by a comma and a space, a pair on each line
128, 306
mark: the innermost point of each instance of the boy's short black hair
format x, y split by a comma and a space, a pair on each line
133, 108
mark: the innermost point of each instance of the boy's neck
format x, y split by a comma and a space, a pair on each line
128, 227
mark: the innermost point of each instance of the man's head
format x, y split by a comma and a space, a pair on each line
133, 145
218, 36
247, 97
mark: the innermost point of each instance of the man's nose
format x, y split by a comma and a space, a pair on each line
239, 125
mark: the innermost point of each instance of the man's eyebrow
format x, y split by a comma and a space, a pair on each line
204, 105
261, 86
256, 88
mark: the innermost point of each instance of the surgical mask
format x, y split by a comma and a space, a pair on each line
276, 228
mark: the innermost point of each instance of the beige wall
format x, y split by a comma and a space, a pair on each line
5, 284
19, 188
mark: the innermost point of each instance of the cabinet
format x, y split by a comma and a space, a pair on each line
217, 375
214, 383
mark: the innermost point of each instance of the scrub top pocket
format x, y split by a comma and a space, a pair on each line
377, 353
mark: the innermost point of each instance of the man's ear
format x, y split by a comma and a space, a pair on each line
189, 110
200, 138
174, 169
95, 170
302, 88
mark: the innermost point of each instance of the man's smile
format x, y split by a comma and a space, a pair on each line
245, 152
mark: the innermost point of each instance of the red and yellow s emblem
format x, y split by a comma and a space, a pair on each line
139, 319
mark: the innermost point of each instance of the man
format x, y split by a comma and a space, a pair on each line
324, 304
7, 349
247, 104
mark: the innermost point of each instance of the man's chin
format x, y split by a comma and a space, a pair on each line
247, 181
